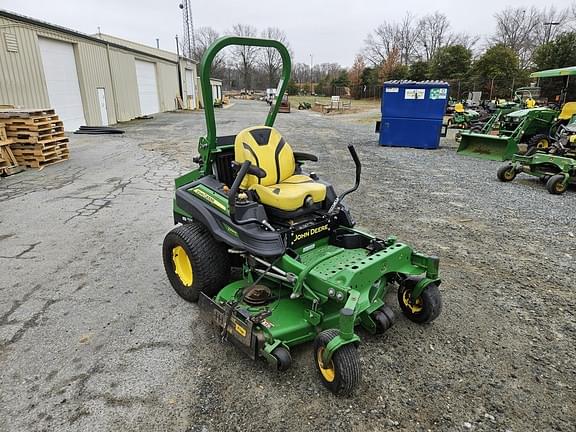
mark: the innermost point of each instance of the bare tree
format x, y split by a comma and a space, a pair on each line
393, 37
464, 39
246, 55
205, 36
524, 29
553, 22
270, 59
434, 33
301, 72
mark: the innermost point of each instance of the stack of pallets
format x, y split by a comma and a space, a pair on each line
37, 135
8, 163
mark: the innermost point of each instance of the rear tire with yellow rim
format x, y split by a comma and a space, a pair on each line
342, 375
423, 309
539, 142
195, 262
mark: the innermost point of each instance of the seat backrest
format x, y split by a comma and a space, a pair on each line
568, 110
264, 147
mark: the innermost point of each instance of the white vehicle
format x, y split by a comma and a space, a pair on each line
270, 95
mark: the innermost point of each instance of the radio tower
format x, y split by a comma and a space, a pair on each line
189, 40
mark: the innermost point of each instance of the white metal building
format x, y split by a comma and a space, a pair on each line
88, 79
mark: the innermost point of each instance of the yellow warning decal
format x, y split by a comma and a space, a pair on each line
240, 330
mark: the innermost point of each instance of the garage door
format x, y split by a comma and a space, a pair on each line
147, 87
59, 65
190, 88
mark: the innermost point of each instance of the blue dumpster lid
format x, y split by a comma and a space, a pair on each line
430, 83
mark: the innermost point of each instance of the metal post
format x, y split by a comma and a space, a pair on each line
311, 88
491, 88
512, 89
549, 32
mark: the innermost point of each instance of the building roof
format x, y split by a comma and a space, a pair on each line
98, 38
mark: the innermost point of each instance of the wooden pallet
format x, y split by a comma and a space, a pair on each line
39, 164
15, 125
37, 136
35, 155
27, 113
8, 162
38, 139
3, 136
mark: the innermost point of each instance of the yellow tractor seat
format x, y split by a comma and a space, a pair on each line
459, 107
568, 110
281, 188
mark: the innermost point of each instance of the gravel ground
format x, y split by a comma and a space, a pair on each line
92, 338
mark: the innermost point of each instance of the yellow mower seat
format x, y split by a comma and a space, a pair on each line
281, 188
568, 110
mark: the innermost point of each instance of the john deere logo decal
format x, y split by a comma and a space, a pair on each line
209, 199
309, 234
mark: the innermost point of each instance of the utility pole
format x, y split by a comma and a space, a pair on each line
189, 41
548, 33
311, 81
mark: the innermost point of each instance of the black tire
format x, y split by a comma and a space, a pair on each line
283, 358
544, 179
209, 261
423, 309
555, 184
506, 173
538, 142
345, 365
384, 319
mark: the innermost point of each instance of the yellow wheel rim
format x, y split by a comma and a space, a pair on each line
182, 266
415, 306
328, 373
542, 144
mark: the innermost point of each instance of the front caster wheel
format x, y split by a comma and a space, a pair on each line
556, 184
342, 375
283, 358
506, 173
423, 309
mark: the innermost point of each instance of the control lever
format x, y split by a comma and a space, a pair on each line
245, 168
356, 159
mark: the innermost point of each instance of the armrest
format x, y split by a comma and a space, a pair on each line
305, 157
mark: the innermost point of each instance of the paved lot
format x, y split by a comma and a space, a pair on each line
92, 338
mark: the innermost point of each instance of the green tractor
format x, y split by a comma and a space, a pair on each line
463, 118
304, 272
556, 168
500, 136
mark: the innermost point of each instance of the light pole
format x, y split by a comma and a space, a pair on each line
550, 24
311, 85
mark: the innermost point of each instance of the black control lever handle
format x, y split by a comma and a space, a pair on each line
356, 159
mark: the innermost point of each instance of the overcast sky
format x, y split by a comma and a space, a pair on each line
330, 30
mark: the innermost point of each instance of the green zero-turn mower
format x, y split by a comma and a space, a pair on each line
306, 274
556, 168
